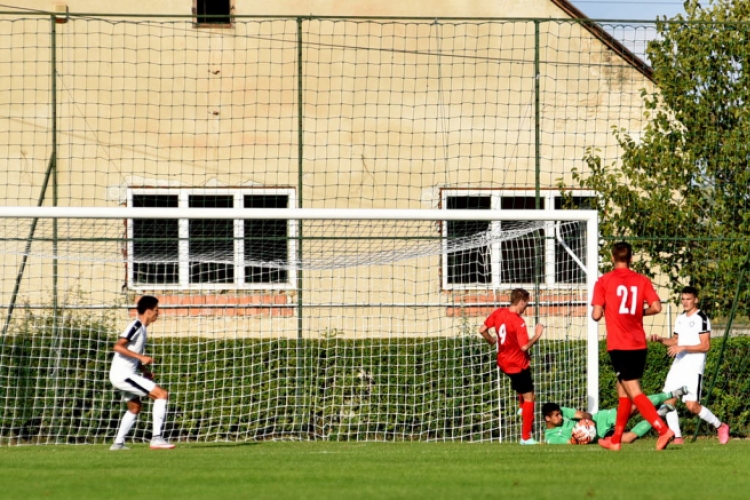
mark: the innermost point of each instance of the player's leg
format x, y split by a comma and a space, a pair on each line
632, 366
131, 394
624, 403
126, 423
675, 381
520, 404
523, 384
660, 398
638, 431
619, 360
160, 397
691, 401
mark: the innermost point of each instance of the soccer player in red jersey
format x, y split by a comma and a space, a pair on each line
513, 344
623, 297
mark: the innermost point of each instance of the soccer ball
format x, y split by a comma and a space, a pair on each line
584, 432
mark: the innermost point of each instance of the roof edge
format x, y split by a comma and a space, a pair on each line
608, 40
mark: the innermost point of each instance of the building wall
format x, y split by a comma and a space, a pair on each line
394, 111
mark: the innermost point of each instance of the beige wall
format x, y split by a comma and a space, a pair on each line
393, 112
415, 8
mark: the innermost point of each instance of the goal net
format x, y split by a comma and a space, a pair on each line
312, 324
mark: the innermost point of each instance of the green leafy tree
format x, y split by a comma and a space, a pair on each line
680, 192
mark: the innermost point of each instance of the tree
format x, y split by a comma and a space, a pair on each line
680, 193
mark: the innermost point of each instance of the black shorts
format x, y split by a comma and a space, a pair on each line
628, 365
521, 382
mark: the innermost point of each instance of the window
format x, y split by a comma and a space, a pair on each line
213, 12
218, 253
538, 256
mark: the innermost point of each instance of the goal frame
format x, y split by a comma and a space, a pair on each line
589, 217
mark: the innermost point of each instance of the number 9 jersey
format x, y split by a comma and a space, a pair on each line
511, 332
623, 294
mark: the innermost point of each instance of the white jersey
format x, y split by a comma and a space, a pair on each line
688, 330
122, 366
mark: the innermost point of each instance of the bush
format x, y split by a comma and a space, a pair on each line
55, 389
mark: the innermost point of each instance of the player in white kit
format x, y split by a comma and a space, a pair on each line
691, 342
129, 359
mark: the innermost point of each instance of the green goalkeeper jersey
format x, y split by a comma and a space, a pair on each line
604, 420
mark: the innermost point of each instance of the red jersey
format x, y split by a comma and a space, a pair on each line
623, 294
511, 335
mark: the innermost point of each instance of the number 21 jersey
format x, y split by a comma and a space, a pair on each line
623, 294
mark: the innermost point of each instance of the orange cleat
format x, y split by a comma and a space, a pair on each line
664, 440
608, 444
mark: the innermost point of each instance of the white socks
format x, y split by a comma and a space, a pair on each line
125, 425
673, 421
159, 412
709, 417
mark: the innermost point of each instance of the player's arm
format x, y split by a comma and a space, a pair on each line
653, 308
538, 329
579, 415
667, 342
484, 332
597, 313
121, 347
703, 346
597, 302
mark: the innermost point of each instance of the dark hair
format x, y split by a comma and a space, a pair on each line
622, 252
690, 289
518, 294
548, 408
146, 303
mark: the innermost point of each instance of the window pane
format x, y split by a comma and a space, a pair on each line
206, 8
266, 241
155, 243
472, 266
574, 236
521, 259
211, 242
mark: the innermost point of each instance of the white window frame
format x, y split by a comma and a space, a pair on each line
238, 194
496, 196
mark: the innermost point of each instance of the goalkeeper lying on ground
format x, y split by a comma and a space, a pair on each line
561, 420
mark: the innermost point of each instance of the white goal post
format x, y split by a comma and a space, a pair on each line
279, 323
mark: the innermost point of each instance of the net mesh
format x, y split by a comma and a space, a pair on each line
357, 339
296, 329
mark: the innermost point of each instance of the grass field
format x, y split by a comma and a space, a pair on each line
312, 470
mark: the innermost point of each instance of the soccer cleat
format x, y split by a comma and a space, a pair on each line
529, 441
664, 409
723, 431
118, 447
678, 441
678, 393
664, 440
159, 443
608, 444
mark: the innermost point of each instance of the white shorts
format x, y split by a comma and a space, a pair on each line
133, 386
689, 377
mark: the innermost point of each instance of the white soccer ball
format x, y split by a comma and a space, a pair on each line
584, 432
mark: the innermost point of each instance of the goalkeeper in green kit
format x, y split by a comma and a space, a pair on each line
561, 421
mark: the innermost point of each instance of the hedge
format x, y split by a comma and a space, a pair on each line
55, 388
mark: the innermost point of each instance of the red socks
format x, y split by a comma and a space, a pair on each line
528, 419
647, 410
623, 415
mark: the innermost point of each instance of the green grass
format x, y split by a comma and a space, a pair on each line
377, 470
